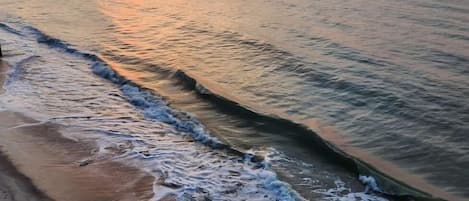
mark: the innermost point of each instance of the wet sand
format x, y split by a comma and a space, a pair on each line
3, 71
13, 184
38, 163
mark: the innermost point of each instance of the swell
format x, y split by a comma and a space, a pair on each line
146, 100
387, 100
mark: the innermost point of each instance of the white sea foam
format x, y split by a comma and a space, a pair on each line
342, 193
369, 182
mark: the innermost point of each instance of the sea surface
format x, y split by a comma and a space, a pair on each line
256, 100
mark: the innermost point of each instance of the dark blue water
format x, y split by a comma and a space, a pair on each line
385, 81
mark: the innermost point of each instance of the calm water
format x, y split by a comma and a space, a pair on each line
386, 80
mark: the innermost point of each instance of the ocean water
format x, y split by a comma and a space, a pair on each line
328, 93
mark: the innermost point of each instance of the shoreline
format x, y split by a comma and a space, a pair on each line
13, 184
66, 169
37, 163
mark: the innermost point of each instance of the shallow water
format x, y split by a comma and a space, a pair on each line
390, 77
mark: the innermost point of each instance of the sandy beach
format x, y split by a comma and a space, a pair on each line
37, 163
